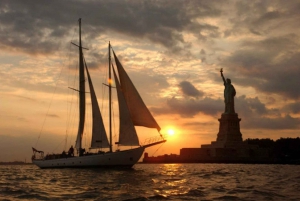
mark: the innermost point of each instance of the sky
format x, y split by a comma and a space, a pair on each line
172, 50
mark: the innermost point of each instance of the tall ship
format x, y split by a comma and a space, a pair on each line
132, 112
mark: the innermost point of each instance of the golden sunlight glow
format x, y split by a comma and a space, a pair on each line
171, 132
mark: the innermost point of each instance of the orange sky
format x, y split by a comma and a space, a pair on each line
172, 51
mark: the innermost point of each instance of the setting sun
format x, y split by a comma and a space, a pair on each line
171, 132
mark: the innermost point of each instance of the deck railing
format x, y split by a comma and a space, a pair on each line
154, 139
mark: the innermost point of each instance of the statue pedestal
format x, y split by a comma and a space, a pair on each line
229, 135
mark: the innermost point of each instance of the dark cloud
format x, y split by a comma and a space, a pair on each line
267, 17
23, 98
270, 65
254, 113
293, 107
286, 122
38, 27
148, 84
96, 59
53, 115
263, 17
189, 90
251, 106
189, 107
22, 119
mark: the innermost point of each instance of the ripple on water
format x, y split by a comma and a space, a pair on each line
152, 182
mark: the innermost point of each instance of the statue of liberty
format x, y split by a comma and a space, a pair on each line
229, 93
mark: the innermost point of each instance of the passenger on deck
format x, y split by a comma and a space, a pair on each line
63, 154
71, 151
81, 151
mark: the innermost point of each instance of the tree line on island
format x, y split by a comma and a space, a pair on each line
282, 149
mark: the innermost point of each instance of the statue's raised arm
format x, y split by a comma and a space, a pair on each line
222, 76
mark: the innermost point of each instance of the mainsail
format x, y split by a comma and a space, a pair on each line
99, 137
127, 132
140, 114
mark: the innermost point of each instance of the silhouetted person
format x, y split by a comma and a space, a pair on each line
81, 151
71, 151
229, 93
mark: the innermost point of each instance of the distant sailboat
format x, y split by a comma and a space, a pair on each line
132, 111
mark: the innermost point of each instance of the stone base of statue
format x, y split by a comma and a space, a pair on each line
229, 135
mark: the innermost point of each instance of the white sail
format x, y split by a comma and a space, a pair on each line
140, 114
99, 137
127, 132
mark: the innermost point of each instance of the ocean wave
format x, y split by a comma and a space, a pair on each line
152, 182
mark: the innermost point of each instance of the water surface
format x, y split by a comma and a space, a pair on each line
152, 182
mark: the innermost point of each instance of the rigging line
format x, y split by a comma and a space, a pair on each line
104, 78
66, 141
68, 113
113, 120
56, 85
58, 145
104, 92
72, 117
158, 148
71, 94
73, 121
72, 113
71, 97
71, 101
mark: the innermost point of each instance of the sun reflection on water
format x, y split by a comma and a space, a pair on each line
172, 181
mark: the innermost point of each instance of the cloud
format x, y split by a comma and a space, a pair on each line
254, 113
293, 107
263, 17
250, 106
189, 90
286, 122
266, 56
270, 65
189, 107
32, 27
53, 115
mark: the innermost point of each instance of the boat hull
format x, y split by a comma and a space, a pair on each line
125, 158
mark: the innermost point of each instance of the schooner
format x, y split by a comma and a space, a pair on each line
132, 112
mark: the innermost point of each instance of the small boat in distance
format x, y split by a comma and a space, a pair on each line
132, 111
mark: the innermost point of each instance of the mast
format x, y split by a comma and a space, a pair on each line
81, 92
109, 88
